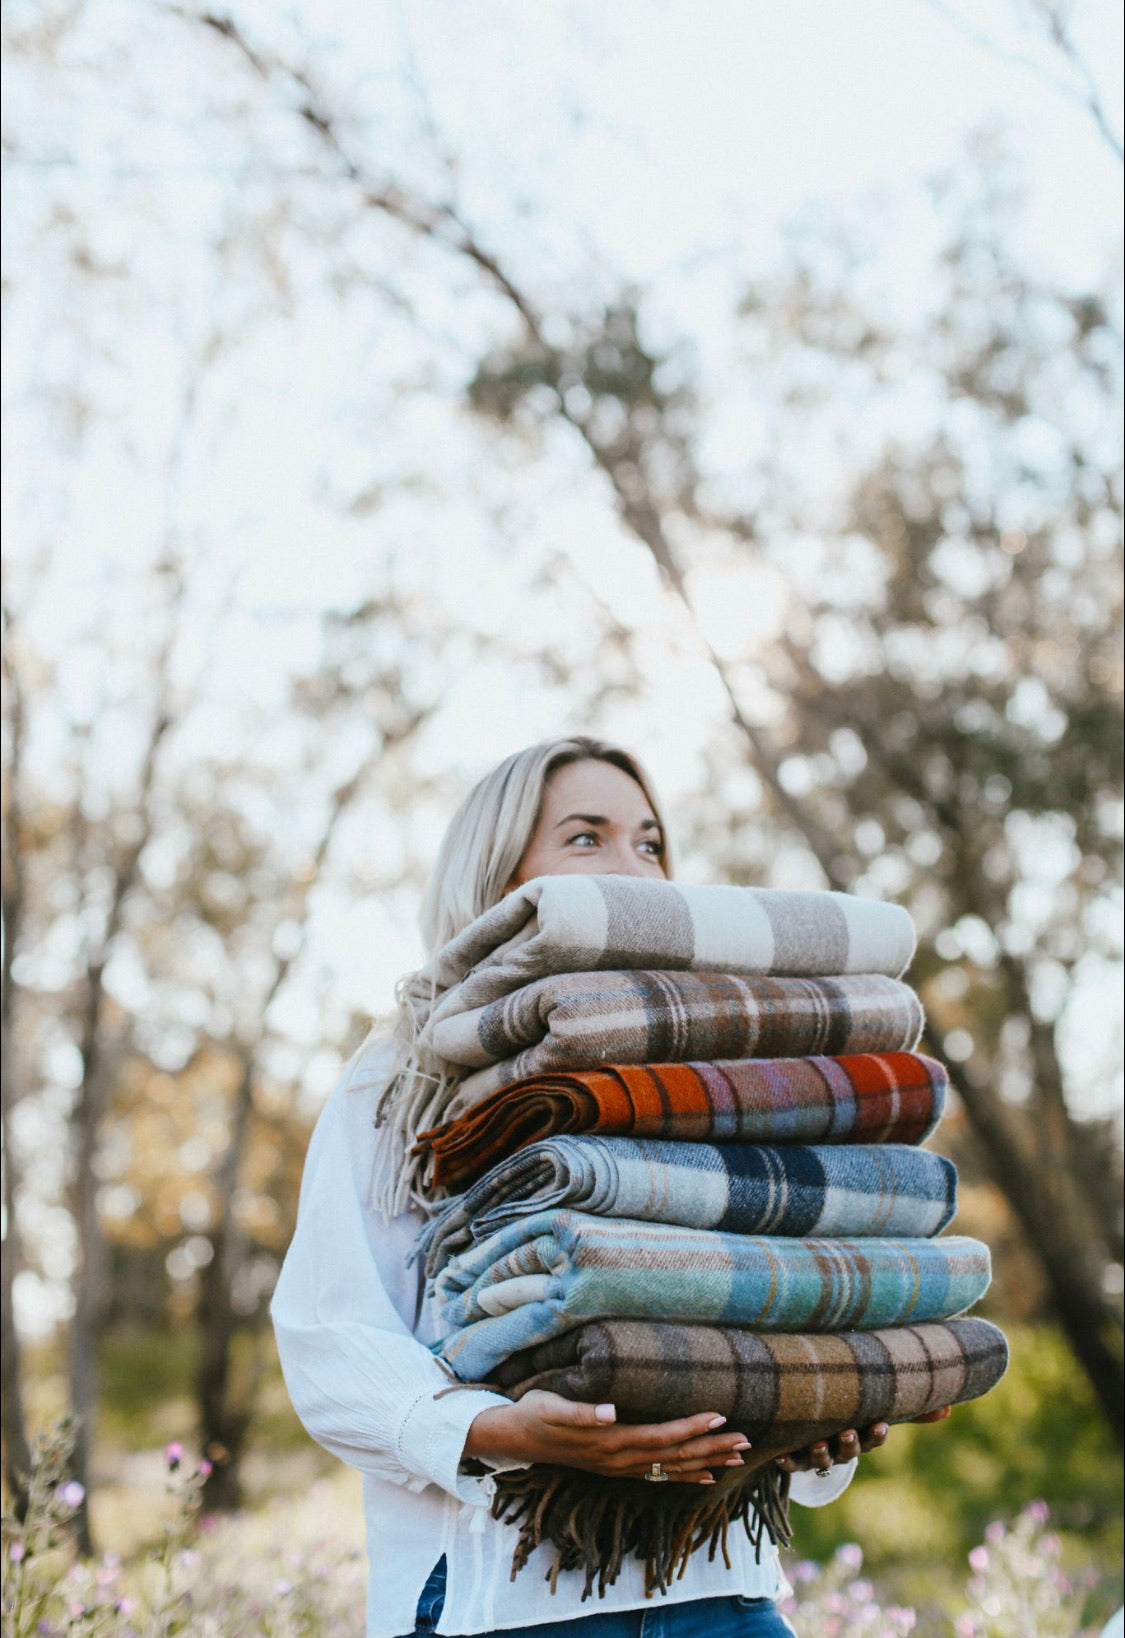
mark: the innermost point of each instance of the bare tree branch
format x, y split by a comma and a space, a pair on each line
1084, 94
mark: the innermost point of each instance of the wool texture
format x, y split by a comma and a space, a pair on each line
782, 1391
559, 925
878, 1097
799, 1190
573, 924
547, 1273
585, 1020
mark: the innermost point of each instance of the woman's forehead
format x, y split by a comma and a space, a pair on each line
610, 789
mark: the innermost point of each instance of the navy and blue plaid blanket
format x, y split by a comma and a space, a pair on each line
742, 1188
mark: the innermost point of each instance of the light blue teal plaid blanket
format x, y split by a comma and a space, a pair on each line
543, 1274
795, 1190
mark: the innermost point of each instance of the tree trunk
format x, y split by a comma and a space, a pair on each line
17, 1452
83, 1369
1049, 1216
223, 1424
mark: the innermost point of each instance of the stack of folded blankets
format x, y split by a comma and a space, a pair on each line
673, 1136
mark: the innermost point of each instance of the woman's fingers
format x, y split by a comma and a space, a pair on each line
590, 1437
848, 1446
874, 1436
662, 1435
799, 1461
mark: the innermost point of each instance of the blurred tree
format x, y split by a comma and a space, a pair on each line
17, 1450
60, 854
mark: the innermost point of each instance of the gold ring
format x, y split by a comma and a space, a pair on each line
656, 1474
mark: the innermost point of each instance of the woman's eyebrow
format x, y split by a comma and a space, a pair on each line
600, 819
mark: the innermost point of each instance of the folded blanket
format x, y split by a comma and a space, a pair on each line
570, 924
883, 1097
782, 1391
860, 1189
545, 1274
584, 1020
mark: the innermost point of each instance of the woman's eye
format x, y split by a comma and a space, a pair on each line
583, 836
656, 849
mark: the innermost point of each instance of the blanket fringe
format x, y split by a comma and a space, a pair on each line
595, 1526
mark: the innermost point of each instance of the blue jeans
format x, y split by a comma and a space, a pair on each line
715, 1617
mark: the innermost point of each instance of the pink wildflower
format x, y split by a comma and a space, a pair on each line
204, 1468
850, 1555
1038, 1512
71, 1494
17, 1552
173, 1454
978, 1559
995, 1532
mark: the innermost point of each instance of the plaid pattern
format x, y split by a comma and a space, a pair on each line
569, 924
549, 1272
861, 1189
584, 1020
863, 1098
783, 1391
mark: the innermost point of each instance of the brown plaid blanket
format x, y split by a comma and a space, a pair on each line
782, 1391
879, 1097
584, 1020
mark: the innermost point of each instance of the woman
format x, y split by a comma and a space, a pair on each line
352, 1318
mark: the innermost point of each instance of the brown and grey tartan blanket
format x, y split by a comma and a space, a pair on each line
741, 1188
878, 1097
585, 1020
782, 1391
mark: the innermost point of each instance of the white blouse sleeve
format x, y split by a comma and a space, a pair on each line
363, 1386
810, 1489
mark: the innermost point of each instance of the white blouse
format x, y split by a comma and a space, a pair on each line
352, 1322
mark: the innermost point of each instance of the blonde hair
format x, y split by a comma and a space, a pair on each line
479, 854
492, 829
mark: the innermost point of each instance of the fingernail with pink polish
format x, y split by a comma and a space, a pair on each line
605, 1413
717, 1422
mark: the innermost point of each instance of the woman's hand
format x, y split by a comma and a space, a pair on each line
845, 1447
544, 1427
